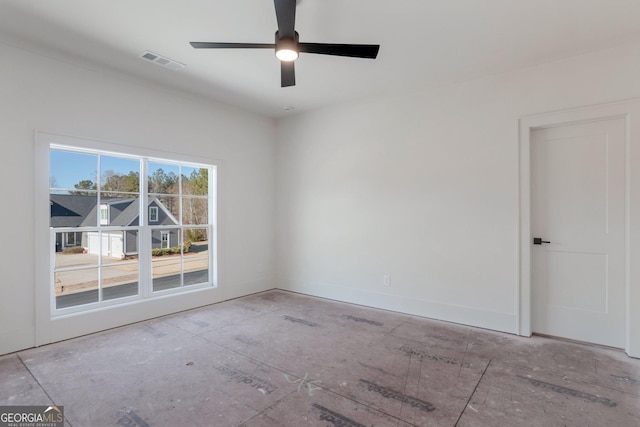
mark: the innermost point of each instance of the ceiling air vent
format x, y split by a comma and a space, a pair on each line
162, 61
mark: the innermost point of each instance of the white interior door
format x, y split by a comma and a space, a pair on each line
578, 205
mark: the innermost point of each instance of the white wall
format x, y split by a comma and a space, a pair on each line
37, 92
424, 187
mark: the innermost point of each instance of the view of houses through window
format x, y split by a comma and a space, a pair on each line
109, 211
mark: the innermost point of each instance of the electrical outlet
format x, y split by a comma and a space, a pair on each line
260, 268
386, 280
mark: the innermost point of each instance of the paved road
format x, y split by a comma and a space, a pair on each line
128, 289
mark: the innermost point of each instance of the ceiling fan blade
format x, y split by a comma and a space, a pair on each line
369, 51
286, 16
287, 74
213, 45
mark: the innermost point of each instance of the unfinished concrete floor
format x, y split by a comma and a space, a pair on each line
283, 359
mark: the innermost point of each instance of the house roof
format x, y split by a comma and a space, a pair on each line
69, 210
74, 210
122, 204
127, 216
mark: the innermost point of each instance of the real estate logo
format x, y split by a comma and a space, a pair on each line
31, 416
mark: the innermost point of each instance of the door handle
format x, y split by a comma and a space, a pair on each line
539, 241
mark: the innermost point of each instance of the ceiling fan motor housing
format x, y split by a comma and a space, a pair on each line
287, 44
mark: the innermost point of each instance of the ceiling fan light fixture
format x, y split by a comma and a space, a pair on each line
286, 55
287, 48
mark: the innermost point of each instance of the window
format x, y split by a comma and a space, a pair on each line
183, 194
153, 214
104, 215
109, 205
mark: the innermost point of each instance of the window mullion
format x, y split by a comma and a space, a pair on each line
180, 222
100, 275
52, 270
99, 224
144, 252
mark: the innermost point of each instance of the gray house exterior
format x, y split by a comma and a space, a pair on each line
71, 210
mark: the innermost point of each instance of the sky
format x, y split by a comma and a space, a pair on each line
68, 168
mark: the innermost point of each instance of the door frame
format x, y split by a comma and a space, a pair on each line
630, 112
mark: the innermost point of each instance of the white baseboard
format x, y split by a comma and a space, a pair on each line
502, 322
11, 341
247, 288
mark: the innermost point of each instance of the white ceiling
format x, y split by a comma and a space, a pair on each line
424, 43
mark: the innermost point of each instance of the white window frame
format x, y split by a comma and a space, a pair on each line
55, 325
153, 213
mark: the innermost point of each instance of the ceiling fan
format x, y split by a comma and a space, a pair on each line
288, 46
